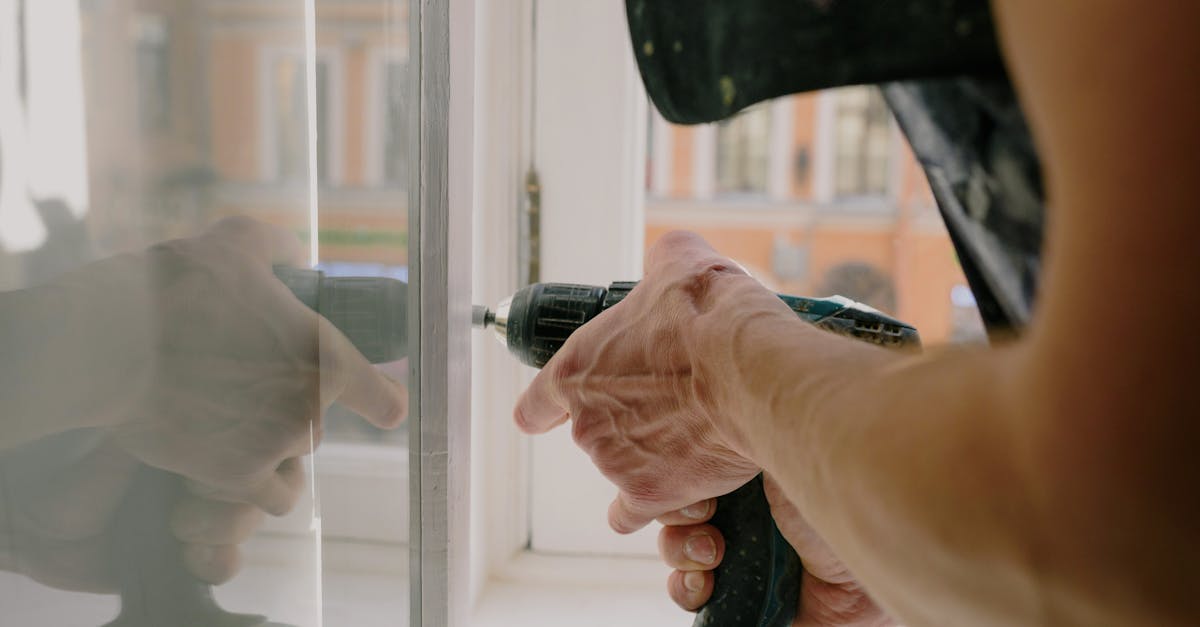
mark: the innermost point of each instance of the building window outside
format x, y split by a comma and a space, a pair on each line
862, 282
397, 136
743, 146
290, 118
863, 142
152, 55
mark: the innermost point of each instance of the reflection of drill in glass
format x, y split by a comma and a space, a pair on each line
156, 588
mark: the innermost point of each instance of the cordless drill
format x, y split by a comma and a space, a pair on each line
757, 583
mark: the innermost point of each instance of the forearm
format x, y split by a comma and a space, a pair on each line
73, 353
919, 477
939, 479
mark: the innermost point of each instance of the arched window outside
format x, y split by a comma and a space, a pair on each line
862, 282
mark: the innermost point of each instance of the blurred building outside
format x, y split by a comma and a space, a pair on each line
169, 154
815, 194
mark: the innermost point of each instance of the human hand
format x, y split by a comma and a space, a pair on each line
644, 397
58, 517
829, 595
241, 371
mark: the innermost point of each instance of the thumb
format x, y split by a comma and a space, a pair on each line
625, 516
350, 379
818, 557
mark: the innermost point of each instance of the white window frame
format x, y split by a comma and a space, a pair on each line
589, 140
433, 517
268, 161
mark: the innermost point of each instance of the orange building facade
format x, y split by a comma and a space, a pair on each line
815, 194
169, 153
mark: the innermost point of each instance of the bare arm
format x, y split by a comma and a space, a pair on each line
1052, 481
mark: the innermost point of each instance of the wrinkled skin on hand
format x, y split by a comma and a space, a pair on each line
61, 496
241, 371
627, 381
644, 390
829, 595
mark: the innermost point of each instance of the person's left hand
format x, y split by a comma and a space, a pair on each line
58, 515
829, 595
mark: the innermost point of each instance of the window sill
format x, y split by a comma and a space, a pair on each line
536, 590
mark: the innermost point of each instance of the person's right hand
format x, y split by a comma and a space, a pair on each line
641, 400
829, 595
241, 371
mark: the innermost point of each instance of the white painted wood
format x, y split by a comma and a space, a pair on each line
440, 266
704, 162
591, 134
824, 148
897, 148
500, 457
779, 151
662, 154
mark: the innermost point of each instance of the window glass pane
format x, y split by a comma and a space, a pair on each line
153, 63
162, 162
396, 134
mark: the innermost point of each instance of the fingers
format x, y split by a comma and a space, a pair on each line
627, 516
683, 251
350, 379
692, 514
690, 590
819, 559
267, 243
275, 494
824, 604
196, 520
676, 247
693, 550
540, 409
279, 493
212, 564
210, 531
692, 547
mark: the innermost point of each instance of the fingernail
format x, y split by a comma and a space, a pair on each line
701, 549
693, 581
696, 511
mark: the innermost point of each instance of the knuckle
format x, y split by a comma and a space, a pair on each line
674, 239
237, 224
583, 431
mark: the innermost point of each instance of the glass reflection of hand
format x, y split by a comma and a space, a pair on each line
61, 498
241, 371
